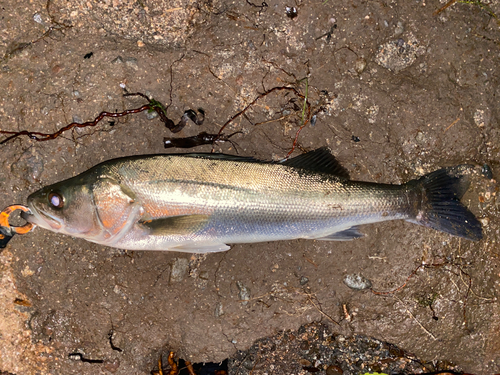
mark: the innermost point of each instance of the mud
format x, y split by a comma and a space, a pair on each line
397, 91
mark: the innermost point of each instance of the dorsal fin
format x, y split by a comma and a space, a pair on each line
200, 155
319, 160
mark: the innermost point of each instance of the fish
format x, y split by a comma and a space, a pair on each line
202, 203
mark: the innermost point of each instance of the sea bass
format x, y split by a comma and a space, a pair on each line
203, 202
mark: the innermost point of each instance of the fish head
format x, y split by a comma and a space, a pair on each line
65, 207
93, 206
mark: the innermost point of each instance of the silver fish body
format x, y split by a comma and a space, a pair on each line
202, 202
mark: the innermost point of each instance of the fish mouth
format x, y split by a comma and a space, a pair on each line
41, 219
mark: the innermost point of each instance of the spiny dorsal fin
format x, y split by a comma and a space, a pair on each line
319, 160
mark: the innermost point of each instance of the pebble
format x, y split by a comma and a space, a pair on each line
151, 115
399, 29
360, 65
244, 294
56, 69
131, 62
37, 17
179, 270
484, 222
420, 137
334, 370
305, 362
112, 365
117, 60
219, 310
482, 118
487, 172
357, 281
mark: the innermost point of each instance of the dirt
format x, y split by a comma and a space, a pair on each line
397, 92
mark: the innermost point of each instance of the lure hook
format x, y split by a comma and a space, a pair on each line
4, 219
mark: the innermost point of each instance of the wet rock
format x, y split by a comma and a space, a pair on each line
179, 270
357, 281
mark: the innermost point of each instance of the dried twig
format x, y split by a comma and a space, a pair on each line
453, 123
320, 310
448, 4
415, 319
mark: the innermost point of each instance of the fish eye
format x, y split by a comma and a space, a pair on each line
56, 200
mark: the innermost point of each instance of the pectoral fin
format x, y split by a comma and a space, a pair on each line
182, 224
345, 235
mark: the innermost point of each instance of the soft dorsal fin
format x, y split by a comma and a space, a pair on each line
319, 160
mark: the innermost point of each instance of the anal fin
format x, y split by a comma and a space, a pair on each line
344, 235
201, 247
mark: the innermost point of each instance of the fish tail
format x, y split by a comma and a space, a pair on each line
438, 203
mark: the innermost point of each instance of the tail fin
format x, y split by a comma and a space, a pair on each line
440, 206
